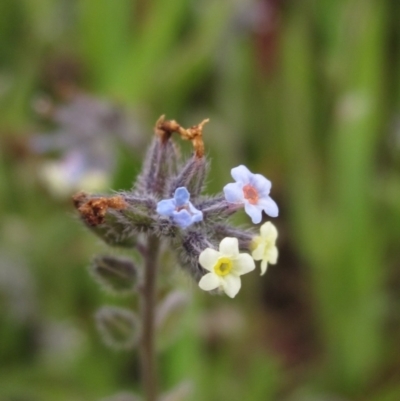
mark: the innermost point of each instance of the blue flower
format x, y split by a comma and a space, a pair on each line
252, 190
180, 209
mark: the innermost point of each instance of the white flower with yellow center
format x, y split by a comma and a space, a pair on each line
225, 267
264, 247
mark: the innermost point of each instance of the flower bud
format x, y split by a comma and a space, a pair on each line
189, 249
140, 213
217, 208
102, 215
116, 275
159, 162
245, 237
118, 327
190, 176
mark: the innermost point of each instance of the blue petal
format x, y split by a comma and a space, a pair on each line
254, 211
241, 174
166, 207
262, 185
234, 192
269, 206
183, 218
197, 215
181, 196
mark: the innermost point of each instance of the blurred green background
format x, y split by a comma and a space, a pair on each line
306, 93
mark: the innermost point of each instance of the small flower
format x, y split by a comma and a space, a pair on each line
225, 267
180, 209
264, 247
253, 191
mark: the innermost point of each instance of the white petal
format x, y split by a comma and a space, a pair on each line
243, 264
229, 247
273, 255
254, 212
258, 253
181, 196
241, 174
263, 267
208, 258
209, 282
231, 285
269, 231
269, 206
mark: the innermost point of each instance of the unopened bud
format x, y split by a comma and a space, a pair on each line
190, 176
217, 208
116, 275
245, 237
118, 327
190, 247
159, 161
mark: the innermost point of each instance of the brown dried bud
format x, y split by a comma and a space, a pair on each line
165, 128
94, 210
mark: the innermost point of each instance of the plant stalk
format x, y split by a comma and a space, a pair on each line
147, 306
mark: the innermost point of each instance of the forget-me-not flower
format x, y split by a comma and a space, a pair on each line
252, 190
225, 267
180, 209
264, 247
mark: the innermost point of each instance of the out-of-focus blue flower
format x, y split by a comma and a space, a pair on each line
252, 190
86, 136
180, 209
73, 172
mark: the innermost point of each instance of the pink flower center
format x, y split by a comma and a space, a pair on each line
251, 194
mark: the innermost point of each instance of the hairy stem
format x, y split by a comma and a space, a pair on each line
147, 306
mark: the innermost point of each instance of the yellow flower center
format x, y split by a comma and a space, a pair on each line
223, 266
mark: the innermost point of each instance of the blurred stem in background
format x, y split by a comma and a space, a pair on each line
330, 188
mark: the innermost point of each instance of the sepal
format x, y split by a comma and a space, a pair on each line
191, 176
119, 327
159, 164
107, 223
189, 247
116, 275
117, 219
245, 237
217, 208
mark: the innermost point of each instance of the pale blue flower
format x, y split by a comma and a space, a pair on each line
252, 190
180, 209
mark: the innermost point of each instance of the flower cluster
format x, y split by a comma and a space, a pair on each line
180, 209
167, 202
